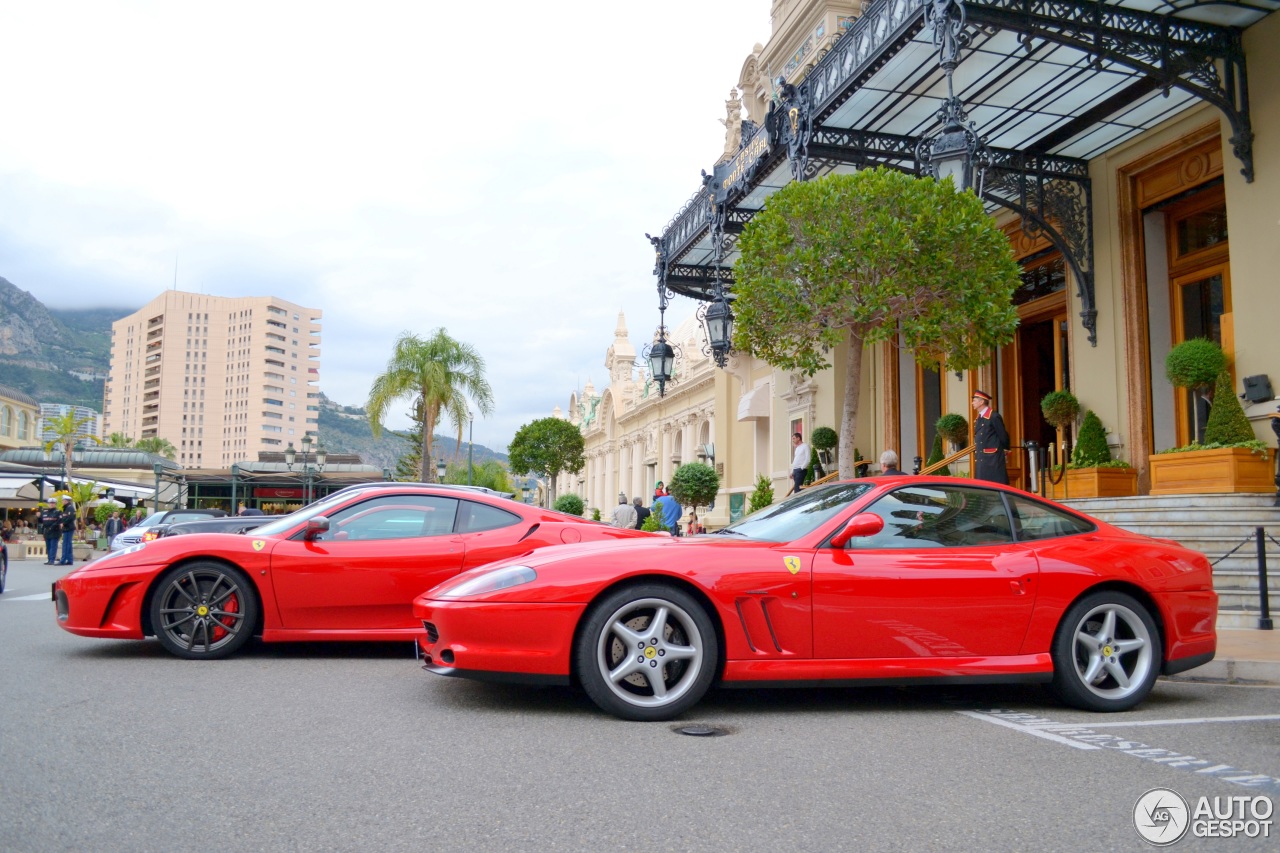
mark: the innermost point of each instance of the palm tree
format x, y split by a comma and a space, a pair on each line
440, 374
66, 432
118, 439
158, 446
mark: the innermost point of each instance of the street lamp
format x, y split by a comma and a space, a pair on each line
440, 470
309, 472
235, 478
157, 469
957, 152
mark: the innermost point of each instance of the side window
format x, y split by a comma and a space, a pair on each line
1035, 520
938, 517
392, 517
474, 517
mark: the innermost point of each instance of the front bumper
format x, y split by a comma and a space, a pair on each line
102, 603
525, 643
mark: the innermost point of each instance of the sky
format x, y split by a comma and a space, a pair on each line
490, 169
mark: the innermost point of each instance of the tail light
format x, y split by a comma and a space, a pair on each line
149, 535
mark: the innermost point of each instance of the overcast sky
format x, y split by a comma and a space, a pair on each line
487, 168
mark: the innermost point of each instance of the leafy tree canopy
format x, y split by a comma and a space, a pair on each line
570, 504
694, 484
546, 447
870, 257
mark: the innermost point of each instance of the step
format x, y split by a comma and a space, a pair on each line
1092, 505
1239, 619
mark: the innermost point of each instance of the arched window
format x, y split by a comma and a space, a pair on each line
24, 426
6, 421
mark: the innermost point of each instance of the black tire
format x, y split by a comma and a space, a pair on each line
1106, 654
204, 611
617, 656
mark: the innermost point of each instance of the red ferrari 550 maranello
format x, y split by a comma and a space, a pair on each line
887, 580
344, 568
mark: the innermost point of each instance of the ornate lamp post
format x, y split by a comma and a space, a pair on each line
309, 472
441, 470
957, 152
158, 470
235, 481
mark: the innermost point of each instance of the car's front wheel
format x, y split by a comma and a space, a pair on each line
647, 652
1106, 654
203, 610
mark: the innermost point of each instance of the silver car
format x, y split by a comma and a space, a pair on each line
145, 530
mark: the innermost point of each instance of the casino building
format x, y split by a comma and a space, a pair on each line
1130, 150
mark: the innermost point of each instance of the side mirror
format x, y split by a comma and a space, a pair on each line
862, 524
315, 526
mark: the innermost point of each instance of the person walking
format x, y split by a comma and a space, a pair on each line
67, 524
51, 530
642, 511
624, 515
113, 528
990, 441
668, 511
799, 462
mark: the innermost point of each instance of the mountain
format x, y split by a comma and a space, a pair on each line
345, 429
42, 351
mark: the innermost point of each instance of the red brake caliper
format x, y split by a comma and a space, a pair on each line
231, 605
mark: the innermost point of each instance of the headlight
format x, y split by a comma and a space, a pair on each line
111, 555
491, 582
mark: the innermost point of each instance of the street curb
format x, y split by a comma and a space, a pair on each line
1253, 672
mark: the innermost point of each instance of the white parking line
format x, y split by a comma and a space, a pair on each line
1082, 736
39, 596
1169, 722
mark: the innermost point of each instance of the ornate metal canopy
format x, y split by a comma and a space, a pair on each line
1049, 84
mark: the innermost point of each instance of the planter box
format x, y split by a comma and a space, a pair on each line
1096, 483
1224, 471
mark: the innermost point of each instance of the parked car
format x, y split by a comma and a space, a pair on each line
145, 530
893, 580
226, 524
346, 567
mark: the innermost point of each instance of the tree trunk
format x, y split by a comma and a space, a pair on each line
849, 420
428, 432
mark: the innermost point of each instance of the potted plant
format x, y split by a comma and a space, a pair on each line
824, 441
1230, 459
570, 504
694, 484
954, 428
1194, 365
762, 496
1092, 472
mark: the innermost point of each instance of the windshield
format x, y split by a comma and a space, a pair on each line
285, 523
800, 515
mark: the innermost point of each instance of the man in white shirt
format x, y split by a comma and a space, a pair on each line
624, 515
799, 462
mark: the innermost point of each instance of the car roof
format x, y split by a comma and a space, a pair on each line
484, 490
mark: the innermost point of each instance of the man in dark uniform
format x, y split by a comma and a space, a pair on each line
990, 441
67, 520
51, 530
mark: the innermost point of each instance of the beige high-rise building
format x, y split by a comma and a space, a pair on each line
220, 378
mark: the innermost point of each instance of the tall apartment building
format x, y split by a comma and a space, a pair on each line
90, 428
220, 378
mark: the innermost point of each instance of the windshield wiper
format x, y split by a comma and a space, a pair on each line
725, 530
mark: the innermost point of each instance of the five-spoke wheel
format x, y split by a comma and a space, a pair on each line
203, 610
1107, 653
647, 652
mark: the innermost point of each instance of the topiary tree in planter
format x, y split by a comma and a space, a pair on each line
694, 484
1195, 364
825, 440
1091, 445
762, 496
954, 428
570, 504
1060, 409
936, 455
1228, 426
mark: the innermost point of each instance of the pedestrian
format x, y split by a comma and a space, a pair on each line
659, 490
695, 526
799, 462
249, 510
51, 530
668, 512
114, 527
990, 441
624, 515
642, 511
889, 464
67, 524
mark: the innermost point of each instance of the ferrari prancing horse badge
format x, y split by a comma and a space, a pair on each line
259, 544
792, 564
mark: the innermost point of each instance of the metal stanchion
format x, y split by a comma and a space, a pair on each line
1264, 602
1032, 447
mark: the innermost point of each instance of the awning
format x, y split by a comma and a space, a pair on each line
754, 404
19, 488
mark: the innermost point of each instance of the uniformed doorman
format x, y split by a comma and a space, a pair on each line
990, 441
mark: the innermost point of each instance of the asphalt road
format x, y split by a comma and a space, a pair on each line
115, 746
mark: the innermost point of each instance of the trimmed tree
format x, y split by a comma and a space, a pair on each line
1091, 445
546, 447
1228, 424
694, 484
874, 256
570, 503
954, 428
763, 494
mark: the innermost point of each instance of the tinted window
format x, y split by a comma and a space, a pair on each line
1035, 520
392, 517
800, 515
474, 517
938, 517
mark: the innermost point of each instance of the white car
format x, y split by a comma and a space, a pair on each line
145, 530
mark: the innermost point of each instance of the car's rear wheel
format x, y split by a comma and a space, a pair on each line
647, 652
203, 610
1106, 654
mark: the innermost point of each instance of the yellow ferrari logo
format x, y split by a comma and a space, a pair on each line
792, 564
650, 652
202, 610
259, 544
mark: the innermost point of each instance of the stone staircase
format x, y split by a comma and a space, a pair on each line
1213, 525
